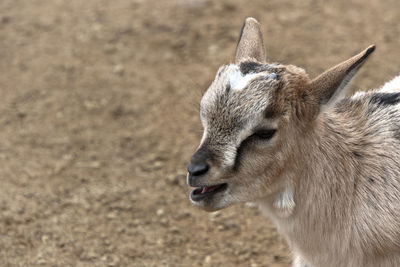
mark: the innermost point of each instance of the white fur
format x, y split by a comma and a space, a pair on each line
284, 203
229, 156
393, 85
237, 80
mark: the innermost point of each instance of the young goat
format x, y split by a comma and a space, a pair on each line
324, 167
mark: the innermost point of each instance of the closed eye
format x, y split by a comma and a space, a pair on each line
259, 135
265, 134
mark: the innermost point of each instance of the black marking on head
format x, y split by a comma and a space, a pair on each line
385, 99
371, 180
247, 67
357, 154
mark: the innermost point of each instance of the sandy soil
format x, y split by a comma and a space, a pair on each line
98, 118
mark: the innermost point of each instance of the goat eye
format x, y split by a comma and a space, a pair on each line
264, 134
261, 135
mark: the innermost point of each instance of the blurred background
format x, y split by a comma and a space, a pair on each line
98, 118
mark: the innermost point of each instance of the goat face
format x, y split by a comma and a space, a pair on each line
254, 114
245, 142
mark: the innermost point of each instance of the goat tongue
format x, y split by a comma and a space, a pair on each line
208, 189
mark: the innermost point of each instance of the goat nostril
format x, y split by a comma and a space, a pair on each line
198, 169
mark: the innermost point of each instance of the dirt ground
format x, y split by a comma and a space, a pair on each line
98, 118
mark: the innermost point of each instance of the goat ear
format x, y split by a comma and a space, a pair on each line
250, 43
329, 87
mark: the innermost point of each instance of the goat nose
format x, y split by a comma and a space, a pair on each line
198, 168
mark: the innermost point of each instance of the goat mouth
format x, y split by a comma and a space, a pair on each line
204, 192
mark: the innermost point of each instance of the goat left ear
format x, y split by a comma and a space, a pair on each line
329, 87
250, 43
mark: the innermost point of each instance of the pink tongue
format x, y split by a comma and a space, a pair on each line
208, 189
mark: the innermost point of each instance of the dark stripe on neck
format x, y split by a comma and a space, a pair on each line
385, 99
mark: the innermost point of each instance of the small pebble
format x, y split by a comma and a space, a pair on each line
160, 212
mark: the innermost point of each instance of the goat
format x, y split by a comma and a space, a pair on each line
325, 168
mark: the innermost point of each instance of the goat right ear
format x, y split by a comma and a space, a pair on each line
330, 86
250, 43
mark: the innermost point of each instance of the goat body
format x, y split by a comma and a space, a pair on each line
324, 167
